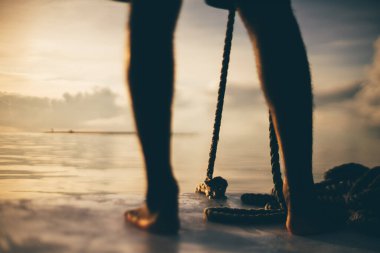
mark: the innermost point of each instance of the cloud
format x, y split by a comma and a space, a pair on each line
239, 96
367, 101
361, 98
71, 111
99, 109
338, 95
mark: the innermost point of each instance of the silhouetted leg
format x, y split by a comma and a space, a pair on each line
285, 77
150, 75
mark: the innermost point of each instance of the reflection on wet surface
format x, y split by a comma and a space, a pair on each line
95, 224
67, 193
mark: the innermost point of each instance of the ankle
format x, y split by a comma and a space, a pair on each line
162, 196
300, 202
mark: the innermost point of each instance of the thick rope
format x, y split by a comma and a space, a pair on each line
221, 92
275, 158
212, 186
275, 163
350, 191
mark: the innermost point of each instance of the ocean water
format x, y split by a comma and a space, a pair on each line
68, 192
38, 165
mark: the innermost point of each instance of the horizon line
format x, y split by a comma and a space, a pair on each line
107, 132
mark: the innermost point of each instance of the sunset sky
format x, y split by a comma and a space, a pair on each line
62, 63
63, 67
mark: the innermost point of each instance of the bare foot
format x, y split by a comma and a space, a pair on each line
154, 222
306, 216
160, 213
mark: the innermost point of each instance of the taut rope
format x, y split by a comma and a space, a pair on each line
275, 163
216, 187
221, 92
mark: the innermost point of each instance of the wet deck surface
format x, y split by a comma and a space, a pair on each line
94, 223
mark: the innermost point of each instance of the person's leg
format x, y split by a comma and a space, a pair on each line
150, 75
285, 78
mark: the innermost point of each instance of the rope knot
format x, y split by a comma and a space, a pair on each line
214, 188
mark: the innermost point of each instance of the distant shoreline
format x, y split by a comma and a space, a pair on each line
104, 132
90, 132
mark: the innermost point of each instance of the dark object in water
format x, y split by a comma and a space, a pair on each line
365, 222
244, 216
351, 191
351, 171
259, 199
214, 188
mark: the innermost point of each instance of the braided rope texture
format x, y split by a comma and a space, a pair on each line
221, 92
275, 163
351, 192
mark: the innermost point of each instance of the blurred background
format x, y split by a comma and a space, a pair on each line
62, 68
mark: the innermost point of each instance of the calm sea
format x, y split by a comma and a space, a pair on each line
46, 165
